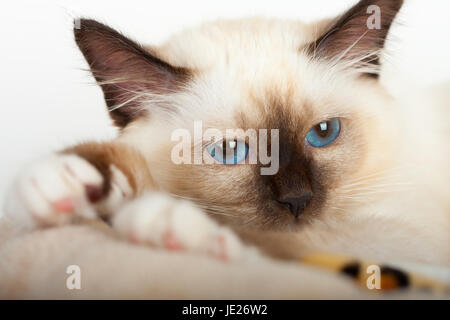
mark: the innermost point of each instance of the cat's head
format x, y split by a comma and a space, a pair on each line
316, 83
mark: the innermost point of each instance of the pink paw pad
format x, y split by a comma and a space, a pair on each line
64, 205
133, 238
222, 248
170, 242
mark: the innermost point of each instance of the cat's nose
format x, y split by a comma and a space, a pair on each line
296, 204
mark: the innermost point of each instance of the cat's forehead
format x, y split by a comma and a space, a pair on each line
286, 96
235, 43
253, 73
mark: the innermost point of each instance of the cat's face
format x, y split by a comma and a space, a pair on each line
318, 91
295, 107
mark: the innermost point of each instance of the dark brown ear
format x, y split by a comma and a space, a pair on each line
358, 35
124, 70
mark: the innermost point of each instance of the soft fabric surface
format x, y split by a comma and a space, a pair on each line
33, 266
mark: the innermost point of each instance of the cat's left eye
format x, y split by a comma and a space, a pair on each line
228, 152
324, 133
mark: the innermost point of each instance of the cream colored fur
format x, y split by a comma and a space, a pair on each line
391, 202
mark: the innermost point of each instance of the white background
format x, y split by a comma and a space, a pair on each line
47, 101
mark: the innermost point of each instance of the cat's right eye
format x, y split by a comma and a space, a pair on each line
228, 152
324, 133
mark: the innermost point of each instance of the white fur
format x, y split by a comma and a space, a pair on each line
147, 219
152, 217
33, 195
31, 199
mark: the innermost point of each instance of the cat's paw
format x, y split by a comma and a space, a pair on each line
162, 221
54, 190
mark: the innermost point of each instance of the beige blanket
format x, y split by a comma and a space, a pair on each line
33, 266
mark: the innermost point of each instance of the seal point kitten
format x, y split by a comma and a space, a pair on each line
355, 174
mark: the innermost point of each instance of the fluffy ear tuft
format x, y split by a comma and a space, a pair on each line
358, 35
124, 69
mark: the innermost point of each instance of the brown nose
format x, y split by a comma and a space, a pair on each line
291, 185
295, 204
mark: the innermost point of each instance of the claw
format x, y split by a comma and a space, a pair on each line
94, 193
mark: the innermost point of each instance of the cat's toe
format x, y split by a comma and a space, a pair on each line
162, 221
143, 220
198, 232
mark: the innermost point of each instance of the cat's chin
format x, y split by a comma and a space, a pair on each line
282, 222
286, 227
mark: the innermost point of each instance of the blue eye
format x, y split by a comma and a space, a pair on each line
229, 152
324, 133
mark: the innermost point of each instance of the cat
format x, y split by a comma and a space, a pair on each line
360, 172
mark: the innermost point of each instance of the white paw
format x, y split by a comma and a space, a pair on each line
160, 220
51, 191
